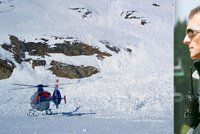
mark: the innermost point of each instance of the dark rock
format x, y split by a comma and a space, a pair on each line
88, 12
70, 71
70, 49
17, 47
135, 17
77, 8
56, 37
156, 5
6, 47
6, 68
2, 2
143, 22
69, 37
75, 48
37, 49
28, 60
78, 48
17, 58
38, 63
45, 40
113, 48
129, 15
105, 42
129, 50
67, 42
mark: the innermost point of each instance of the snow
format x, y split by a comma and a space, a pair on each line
133, 91
80, 125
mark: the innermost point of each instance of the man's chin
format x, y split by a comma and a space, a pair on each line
195, 57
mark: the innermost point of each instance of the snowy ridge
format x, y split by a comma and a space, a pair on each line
132, 86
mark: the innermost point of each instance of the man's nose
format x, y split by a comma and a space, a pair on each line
186, 40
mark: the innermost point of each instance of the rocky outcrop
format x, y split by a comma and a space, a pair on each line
78, 48
36, 49
131, 14
20, 49
84, 11
70, 71
6, 68
17, 48
38, 63
75, 48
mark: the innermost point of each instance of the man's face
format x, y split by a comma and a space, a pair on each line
193, 42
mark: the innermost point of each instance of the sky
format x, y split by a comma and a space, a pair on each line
183, 8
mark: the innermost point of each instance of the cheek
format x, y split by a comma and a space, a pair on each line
196, 42
197, 39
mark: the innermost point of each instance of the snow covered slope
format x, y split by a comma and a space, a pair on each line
136, 86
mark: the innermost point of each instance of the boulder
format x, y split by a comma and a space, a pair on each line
6, 68
17, 47
38, 63
70, 71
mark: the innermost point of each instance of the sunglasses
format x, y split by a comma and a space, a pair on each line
191, 33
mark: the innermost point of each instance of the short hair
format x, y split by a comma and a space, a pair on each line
194, 11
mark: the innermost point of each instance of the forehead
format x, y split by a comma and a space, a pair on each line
194, 22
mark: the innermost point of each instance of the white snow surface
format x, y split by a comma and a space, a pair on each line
133, 91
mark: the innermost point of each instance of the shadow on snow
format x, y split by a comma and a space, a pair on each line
73, 113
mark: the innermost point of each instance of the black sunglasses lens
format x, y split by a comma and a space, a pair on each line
189, 31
